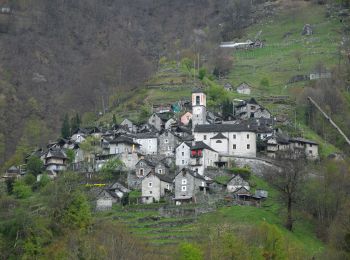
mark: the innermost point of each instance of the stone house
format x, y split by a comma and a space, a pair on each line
202, 156
55, 160
183, 154
159, 120
295, 146
130, 125
241, 138
123, 144
228, 87
167, 143
144, 167
244, 88
237, 182
168, 124
183, 132
187, 184
308, 147
110, 195
186, 118
148, 142
250, 109
154, 186
105, 200
13, 172
161, 168
156, 121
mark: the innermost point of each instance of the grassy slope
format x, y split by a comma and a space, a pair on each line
158, 231
276, 61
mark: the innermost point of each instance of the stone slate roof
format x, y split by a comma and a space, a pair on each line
148, 162
281, 139
302, 140
200, 145
197, 90
118, 186
125, 140
13, 169
56, 153
219, 128
193, 173
145, 135
219, 136
243, 85
165, 178
164, 116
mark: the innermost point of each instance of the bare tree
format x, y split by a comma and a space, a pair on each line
287, 180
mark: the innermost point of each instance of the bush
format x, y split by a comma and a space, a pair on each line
202, 72
189, 251
29, 179
21, 190
187, 63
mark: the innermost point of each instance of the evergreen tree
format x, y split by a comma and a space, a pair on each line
65, 130
114, 120
227, 108
75, 123
34, 165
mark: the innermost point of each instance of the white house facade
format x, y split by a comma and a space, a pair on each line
241, 140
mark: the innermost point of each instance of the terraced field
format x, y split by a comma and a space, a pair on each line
144, 221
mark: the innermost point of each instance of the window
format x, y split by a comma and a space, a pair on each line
234, 136
141, 164
184, 181
198, 100
247, 136
168, 186
150, 184
183, 154
183, 162
141, 172
183, 147
218, 141
183, 188
248, 146
166, 141
160, 171
310, 151
169, 148
234, 147
205, 137
150, 192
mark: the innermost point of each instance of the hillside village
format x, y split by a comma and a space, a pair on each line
177, 157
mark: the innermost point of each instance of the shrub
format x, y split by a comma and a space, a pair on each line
189, 251
21, 190
29, 179
202, 72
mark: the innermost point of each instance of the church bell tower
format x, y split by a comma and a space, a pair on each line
199, 108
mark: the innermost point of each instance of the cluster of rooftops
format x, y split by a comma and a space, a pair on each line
169, 143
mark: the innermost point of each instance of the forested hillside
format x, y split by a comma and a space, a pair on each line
62, 57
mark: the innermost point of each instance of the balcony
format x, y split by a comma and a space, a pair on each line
196, 154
